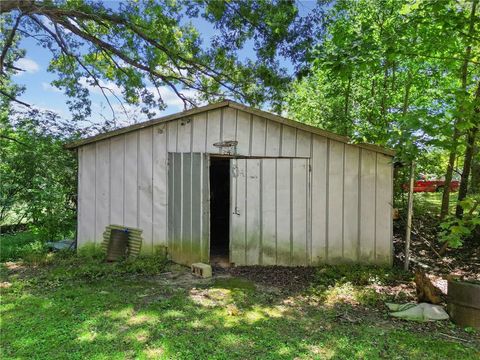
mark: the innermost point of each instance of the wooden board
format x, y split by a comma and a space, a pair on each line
284, 207
131, 173
253, 211
244, 124
289, 141
199, 132
300, 175
259, 127
272, 146
213, 130
269, 206
86, 200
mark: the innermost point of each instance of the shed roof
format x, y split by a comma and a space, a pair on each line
234, 105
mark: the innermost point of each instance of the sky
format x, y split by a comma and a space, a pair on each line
39, 91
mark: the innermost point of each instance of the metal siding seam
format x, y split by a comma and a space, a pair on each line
151, 197
280, 143
250, 136
191, 202
221, 128
201, 206
296, 141
327, 199
236, 124
307, 196
79, 172
181, 201
246, 213
276, 213
260, 191
265, 138
191, 134
310, 198
109, 181
167, 220
95, 197
291, 211
176, 136
124, 177
359, 215
206, 131
138, 205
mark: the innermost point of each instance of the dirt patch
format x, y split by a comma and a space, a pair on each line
290, 279
463, 262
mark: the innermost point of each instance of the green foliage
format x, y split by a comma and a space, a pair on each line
38, 177
387, 72
24, 245
456, 230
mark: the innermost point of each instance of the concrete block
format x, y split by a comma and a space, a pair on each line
202, 270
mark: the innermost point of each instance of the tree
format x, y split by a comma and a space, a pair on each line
142, 46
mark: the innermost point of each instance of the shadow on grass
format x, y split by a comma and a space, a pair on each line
130, 317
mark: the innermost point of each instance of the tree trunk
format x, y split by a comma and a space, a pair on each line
467, 162
456, 132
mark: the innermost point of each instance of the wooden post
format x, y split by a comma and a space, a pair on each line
409, 217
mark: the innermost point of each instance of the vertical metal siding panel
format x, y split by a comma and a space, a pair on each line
177, 208
383, 210
350, 203
238, 223
283, 212
187, 208
130, 191
243, 133
213, 130
199, 132
268, 193
319, 199
117, 154
87, 195
184, 135
205, 253
171, 204
80, 195
367, 206
159, 199
229, 124
172, 133
272, 146
252, 212
304, 140
196, 206
289, 141
259, 125
145, 188
299, 211
102, 189
335, 201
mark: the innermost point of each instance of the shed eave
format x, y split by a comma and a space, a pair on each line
234, 105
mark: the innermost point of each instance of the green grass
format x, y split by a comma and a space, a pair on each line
79, 307
20, 245
430, 203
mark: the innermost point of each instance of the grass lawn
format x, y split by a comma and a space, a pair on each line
81, 308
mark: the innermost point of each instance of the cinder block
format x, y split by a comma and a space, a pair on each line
202, 270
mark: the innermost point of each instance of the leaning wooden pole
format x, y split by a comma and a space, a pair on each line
409, 217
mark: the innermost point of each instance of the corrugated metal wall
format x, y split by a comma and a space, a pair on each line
124, 180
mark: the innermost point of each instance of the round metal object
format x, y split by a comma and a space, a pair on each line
464, 302
117, 247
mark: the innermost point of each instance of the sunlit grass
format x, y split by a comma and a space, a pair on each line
45, 316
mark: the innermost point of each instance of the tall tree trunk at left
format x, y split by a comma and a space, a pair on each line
467, 162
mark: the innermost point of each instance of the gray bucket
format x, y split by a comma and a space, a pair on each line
117, 246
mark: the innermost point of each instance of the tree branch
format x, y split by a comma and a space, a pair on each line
8, 43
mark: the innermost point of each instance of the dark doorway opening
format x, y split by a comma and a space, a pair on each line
219, 211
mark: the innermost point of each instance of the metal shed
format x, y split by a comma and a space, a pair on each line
232, 180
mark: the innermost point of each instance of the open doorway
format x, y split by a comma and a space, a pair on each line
219, 211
